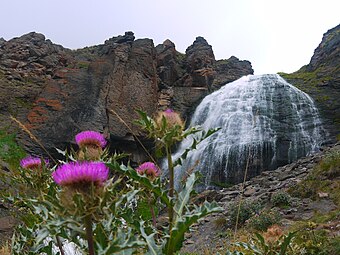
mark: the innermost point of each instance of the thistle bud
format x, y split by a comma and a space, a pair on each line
172, 119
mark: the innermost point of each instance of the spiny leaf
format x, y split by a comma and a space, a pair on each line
184, 195
153, 248
196, 141
286, 242
182, 225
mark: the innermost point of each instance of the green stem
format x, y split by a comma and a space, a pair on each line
89, 234
152, 210
171, 188
60, 245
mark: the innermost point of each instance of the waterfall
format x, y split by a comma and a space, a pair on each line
265, 123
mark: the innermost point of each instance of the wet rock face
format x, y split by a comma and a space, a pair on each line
57, 92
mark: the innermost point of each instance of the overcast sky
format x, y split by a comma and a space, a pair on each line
274, 35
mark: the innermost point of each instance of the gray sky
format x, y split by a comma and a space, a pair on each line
274, 35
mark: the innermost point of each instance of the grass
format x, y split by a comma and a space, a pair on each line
323, 178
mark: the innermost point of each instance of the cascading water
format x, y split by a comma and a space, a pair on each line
265, 123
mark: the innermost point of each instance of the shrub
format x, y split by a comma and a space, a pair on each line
244, 211
262, 221
281, 199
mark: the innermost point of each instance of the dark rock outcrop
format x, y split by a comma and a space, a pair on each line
228, 70
186, 78
57, 92
321, 79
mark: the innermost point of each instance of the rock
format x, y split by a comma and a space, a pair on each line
169, 64
285, 177
7, 223
323, 195
2, 41
228, 70
249, 192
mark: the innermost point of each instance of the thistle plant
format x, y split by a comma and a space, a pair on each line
79, 204
83, 177
88, 200
167, 129
151, 171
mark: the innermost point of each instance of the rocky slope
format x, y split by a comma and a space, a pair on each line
321, 79
57, 92
308, 203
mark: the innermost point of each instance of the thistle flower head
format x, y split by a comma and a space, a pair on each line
32, 162
172, 118
149, 168
74, 173
91, 139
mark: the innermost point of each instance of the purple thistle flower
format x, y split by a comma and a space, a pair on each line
168, 111
80, 173
90, 138
32, 162
149, 169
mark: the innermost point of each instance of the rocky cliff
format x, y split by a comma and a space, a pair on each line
57, 92
321, 79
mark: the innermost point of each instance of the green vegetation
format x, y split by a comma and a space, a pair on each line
338, 137
180, 56
10, 151
83, 64
244, 211
313, 239
265, 219
281, 199
222, 184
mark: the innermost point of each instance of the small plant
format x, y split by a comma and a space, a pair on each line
243, 211
259, 245
281, 199
262, 221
